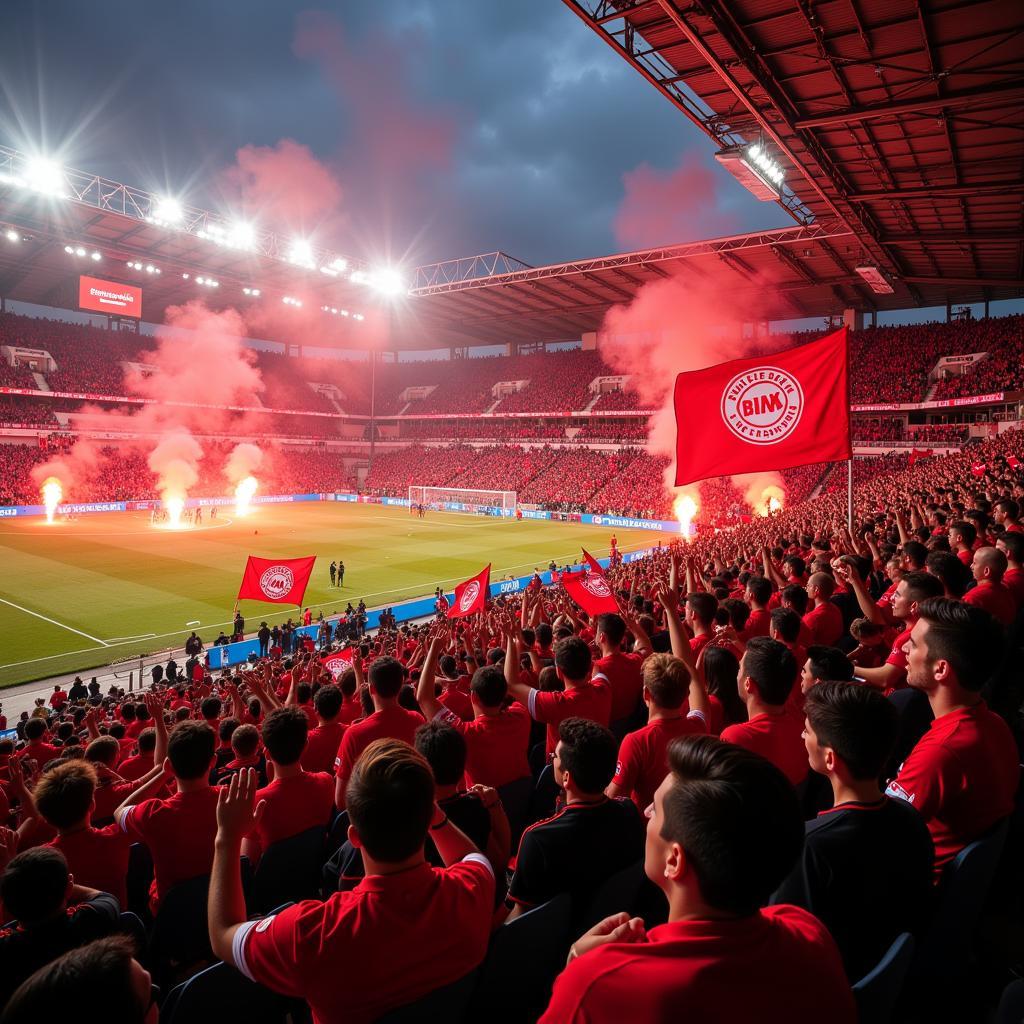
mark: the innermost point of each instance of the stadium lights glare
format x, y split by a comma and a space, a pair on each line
387, 281
301, 252
358, 277
165, 211
206, 282
289, 301
79, 251
241, 235
42, 175
12, 236
95, 256
253, 292
766, 165
358, 316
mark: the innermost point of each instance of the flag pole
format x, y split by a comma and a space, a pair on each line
849, 494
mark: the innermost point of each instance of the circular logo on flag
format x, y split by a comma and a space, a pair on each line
469, 595
277, 581
597, 585
763, 405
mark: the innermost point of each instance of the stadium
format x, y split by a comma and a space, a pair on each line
653, 620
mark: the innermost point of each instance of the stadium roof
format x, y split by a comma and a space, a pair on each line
900, 121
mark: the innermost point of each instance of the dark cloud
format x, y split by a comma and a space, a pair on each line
543, 120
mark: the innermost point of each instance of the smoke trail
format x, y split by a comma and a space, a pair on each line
245, 460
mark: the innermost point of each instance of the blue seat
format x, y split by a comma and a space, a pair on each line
878, 992
289, 870
524, 958
449, 1004
207, 996
944, 954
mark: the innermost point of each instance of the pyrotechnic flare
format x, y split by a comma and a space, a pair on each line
174, 506
243, 495
772, 498
53, 494
684, 508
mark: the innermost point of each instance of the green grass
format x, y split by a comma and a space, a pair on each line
108, 580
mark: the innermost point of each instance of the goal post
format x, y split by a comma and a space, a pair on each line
464, 498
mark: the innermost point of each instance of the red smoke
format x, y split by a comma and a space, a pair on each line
668, 207
285, 188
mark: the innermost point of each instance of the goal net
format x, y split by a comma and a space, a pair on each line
463, 499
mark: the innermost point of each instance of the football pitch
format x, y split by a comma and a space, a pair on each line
77, 595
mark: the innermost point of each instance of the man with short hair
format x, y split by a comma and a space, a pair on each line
989, 592
1012, 545
866, 868
590, 837
497, 737
296, 800
388, 721
699, 616
1006, 513
962, 536
584, 696
824, 663
767, 675
323, 741
97, 857
36, 745
179, 830
757, 594
643, 757
824, 620
622, 670
962, 775
724, 829
404, 931
51, 914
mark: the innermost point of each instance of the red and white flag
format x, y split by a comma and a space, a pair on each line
592, 592
978, 468
917, 454
338, 662
471, 596
592, 562
276, 580
764, 413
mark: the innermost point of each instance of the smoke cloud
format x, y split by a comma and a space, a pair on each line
175, 461
245, 460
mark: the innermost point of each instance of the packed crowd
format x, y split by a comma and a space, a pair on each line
815, 721
1001, 370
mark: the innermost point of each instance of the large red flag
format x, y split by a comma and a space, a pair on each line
338, 662
471, 596
763, 413
591, 592
277, 580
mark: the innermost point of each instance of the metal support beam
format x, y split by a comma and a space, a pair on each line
1005, 95
938, 191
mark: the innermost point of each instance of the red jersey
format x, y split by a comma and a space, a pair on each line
788, 962
758, 624
179, 832
294, 805
457, 702
962, 777
825, 621
496, 745
322, 747
351, 710
643, 755
389, 941
777, 738
591, 700
623, 674
1013, 580
698, 643
994, 598
133, 768
392, 722
98, 858
40, 751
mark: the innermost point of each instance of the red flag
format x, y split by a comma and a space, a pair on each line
338, 662
978, 468
279, 581
764, 413
591, 592
471, 596
1013, 462
595, 565
916, 455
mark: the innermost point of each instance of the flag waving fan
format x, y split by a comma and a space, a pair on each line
592, 592
277, 581
764, 413
471, 596
593, 564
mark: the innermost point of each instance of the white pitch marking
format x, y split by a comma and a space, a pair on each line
70, 629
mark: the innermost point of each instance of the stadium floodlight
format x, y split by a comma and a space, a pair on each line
388, 281
166, 211
289, 301
12, 236
79, 251
753, 167
241, 235
358, 277
95, 256
301, 252
69, 250
42, 175
358, 316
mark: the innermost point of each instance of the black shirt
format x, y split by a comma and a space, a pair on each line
24, 951
866, 874
575, 851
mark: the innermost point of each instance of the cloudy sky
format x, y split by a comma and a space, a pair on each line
453, 127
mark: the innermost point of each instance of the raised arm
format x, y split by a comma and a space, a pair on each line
425, 688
